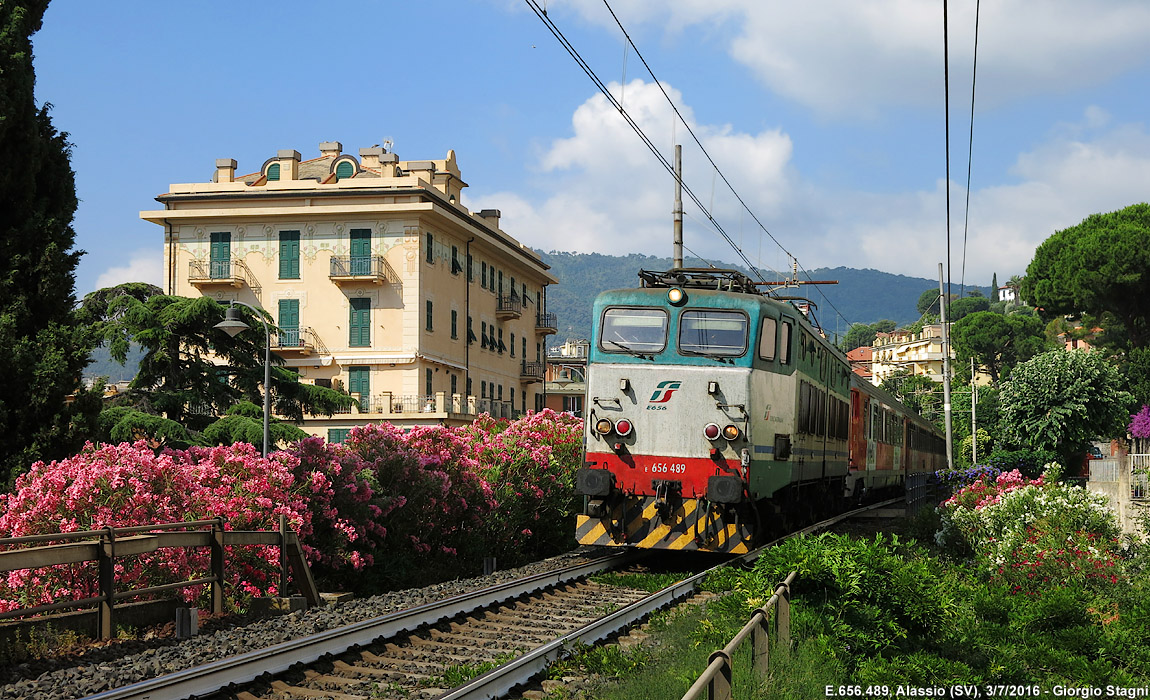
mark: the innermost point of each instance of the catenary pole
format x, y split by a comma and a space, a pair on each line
942, 300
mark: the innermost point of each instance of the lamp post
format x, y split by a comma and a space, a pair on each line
232, 325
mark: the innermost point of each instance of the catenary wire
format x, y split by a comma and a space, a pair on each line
970, 155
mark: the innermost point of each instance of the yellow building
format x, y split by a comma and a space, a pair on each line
901, 350
381, 283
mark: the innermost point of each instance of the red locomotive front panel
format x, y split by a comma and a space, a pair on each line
641, 474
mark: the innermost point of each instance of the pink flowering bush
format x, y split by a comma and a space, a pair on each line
531, 465
1029, 533
127, 484
432, 502
1140, 423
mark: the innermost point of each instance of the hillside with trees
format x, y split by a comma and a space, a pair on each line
861, 296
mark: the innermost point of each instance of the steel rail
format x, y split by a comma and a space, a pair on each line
246, 668
499, 681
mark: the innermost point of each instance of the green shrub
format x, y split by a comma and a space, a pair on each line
1030, 463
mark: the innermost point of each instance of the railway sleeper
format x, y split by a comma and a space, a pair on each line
389, 674
295, 691
398, 656
498, 643
325, 681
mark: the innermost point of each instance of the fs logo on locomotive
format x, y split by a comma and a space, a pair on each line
662, 394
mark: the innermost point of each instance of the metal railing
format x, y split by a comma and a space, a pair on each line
104, 546
531, 370
1139, 470
233, 271
717, 679
509, 304
365, 266
304, 338
546, 320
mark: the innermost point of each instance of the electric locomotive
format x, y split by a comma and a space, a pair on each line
716, 417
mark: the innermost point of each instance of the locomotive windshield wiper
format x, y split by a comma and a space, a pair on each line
713, 355
629, 350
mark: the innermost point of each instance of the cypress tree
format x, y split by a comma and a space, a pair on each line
41, 344
994, 287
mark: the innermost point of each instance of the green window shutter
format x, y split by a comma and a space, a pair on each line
337, 435
344, 170
359, 385
220, 262
289, 323
289, 255
360, 322
360, 251
273, 172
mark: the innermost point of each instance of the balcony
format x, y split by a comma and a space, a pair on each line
509, 307
234, 272
362, 268
531, 372
299, 342
545, 323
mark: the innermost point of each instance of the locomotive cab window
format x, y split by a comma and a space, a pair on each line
631, 330
712, 332
785, 343
767, 339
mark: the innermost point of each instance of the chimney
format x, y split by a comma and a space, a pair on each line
332, 149
289, 164
225, 170
369, 157
492, 216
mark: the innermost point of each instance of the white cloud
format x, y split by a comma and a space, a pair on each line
844, 58
600, 190
143, 266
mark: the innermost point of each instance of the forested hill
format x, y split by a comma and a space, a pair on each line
861, 296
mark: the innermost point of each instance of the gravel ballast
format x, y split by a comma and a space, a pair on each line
119, 664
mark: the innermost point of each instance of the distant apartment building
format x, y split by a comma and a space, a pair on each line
860, 360
902, 350
380, 281
566, 383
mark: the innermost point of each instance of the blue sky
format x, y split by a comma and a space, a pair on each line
826, 116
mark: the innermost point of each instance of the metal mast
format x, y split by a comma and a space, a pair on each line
678, 212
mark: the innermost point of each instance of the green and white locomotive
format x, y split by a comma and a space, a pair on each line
716, 417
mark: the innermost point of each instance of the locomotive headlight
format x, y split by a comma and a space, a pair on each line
676, 296
711, 431
623, 427
603, 426
731, 432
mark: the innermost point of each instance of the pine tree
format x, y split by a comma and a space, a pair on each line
43, 348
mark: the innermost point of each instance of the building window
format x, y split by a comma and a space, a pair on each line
500, 290
513, 294
454, 324
455, 266
573, 405
337, 435
454, 384
483, 334
430, 248
344, 170
288, 321
470, 268
273, 172
513, 345
430, 315
289, 255
469, 386
524, 339
470, 332
220, 255
360, 250
482, 389
427, 383
359, 386
500, 392
511, 398
483, 275
501, 346
359, 325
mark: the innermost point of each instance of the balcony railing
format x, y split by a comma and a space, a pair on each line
362, 268
387, 405
531, 371
305, 341
545, 323
509, 306
233, 272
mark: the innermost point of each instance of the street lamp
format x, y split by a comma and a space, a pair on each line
233, 324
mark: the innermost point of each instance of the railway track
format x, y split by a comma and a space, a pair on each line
514, 631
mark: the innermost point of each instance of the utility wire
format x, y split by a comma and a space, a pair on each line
970, 153
946, 121
558, 34
713, 164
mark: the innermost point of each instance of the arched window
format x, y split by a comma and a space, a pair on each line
273, 172
344, 170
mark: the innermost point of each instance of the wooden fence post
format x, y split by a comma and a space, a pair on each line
106, 563
760, 644
783, 615
720, 687
217, 554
